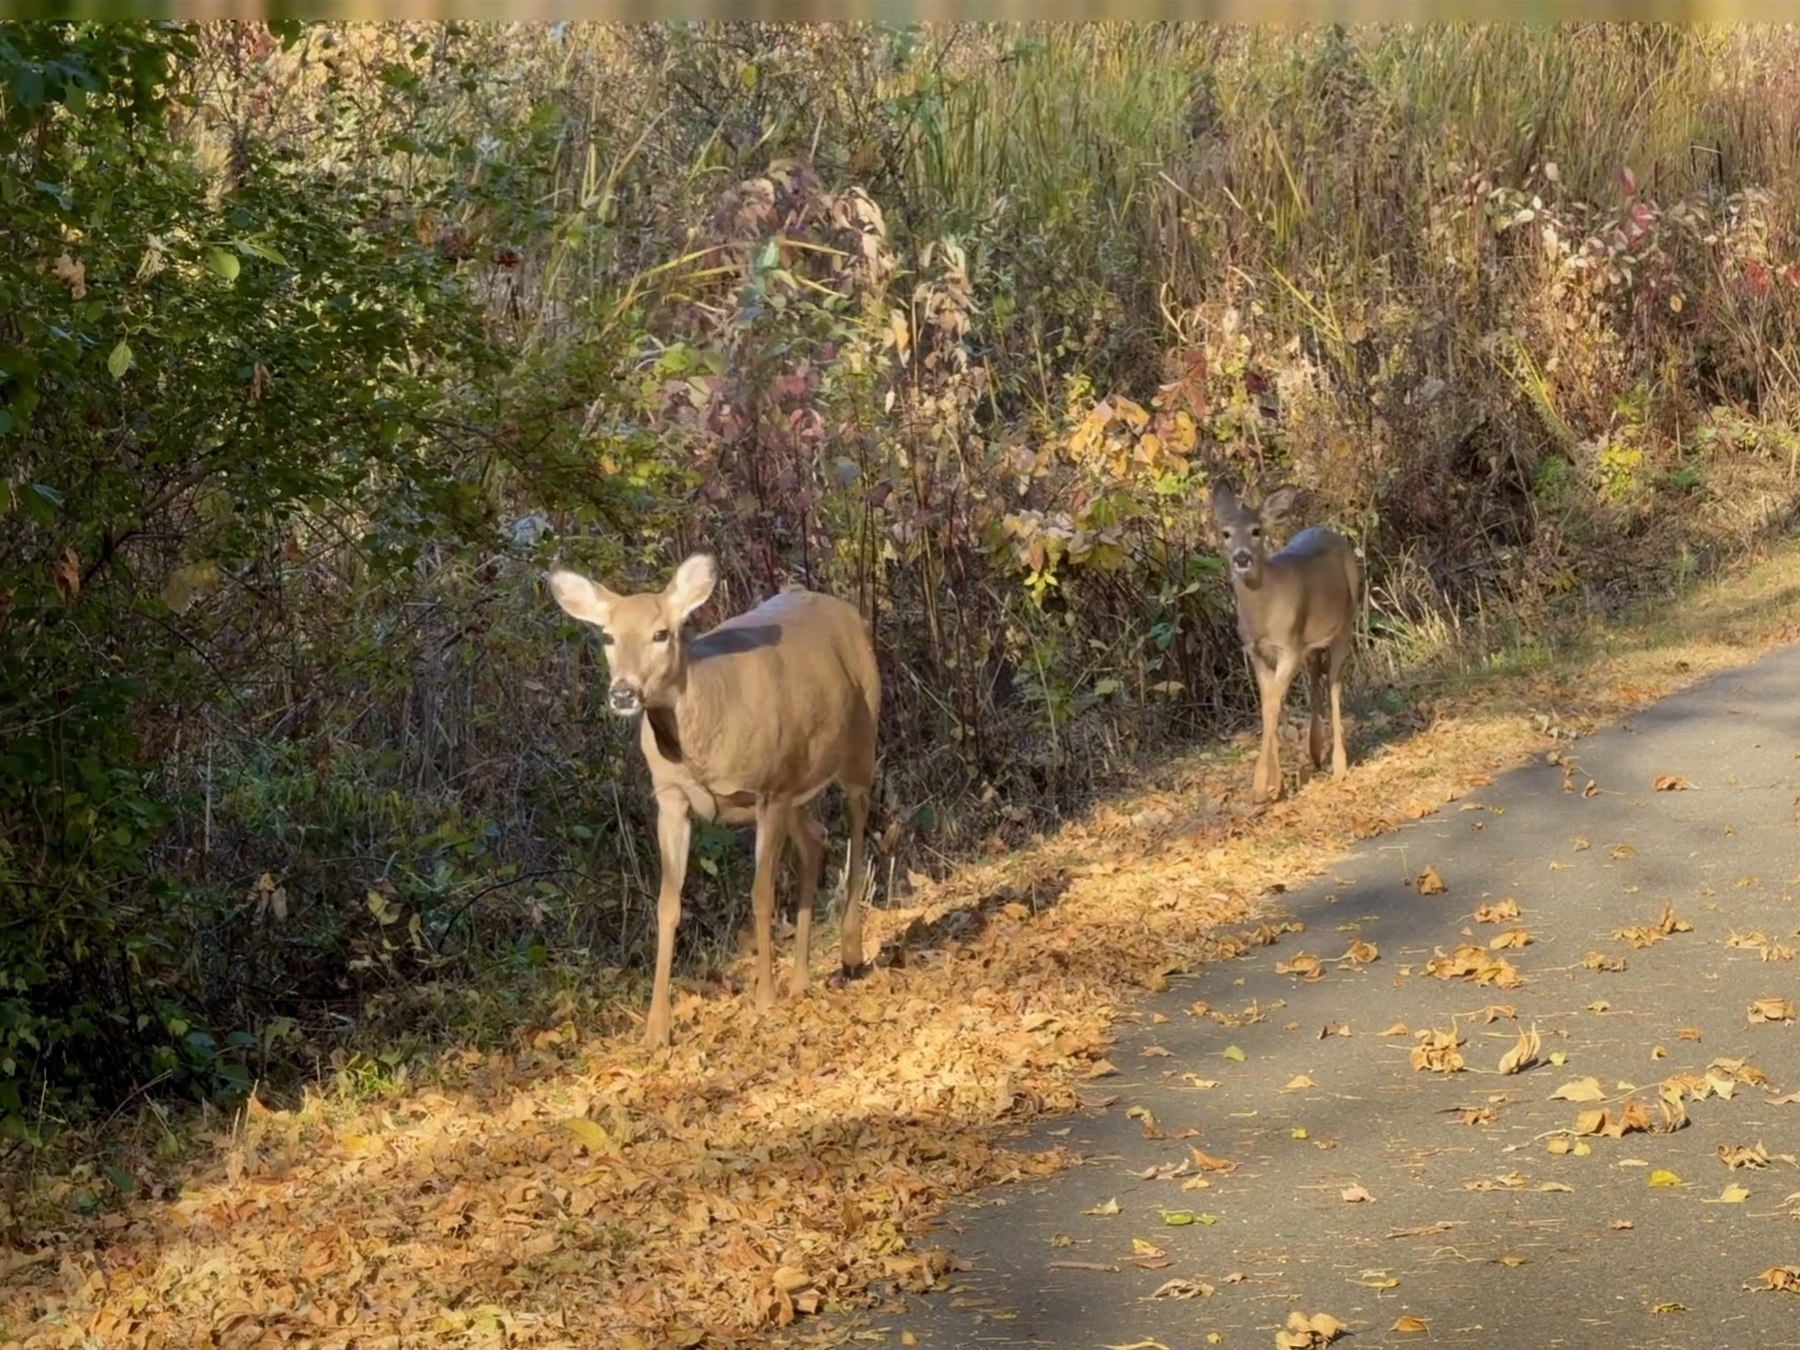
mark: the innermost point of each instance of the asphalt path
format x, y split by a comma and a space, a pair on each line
1341, 1179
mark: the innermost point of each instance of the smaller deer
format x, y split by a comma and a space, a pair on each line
1294, 607
748, 721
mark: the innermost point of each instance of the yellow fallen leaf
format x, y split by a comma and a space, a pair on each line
591, 1135
1430, 883
1299, 1083
1671, 782
1734, 1194
1662, 1176
1409, 1324
1106, 1207
1580, 1090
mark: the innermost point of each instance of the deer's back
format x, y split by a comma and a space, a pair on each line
1308, 595
780, 699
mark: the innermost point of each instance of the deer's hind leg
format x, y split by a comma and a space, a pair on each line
1315, 703
1340, 652
771, 833
808, 838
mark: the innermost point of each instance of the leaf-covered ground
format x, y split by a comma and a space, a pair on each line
778, 1172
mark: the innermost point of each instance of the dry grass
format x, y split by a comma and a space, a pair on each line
574, 1192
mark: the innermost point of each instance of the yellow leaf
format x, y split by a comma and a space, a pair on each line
1430, 883
1734, 1194
1409, 1324
593, 1138
1662, 1176
1109, 1207
1580, 1090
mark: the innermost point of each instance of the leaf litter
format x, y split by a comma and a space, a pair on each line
769, 1167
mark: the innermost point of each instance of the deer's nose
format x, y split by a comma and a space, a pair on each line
624, 698
1241, 560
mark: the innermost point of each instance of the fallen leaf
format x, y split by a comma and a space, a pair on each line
1234, 1054
1083, 1265
1772, 1010
1500, 913
1430, 883
1512, 937
1620, 852
1621, 1224
1306, 1333
1360, 953
1106, 1207
1602, 961
1688, 1034
1743, 1155
1779, 1278
1155, 1052
592, 1136
1662, 1176
1671, 782
1524, 1052
1659, 1309
1410, 1325
1207, 1163
1306, 967
1437, 1051
1355, 1195
1182, 1289
1579, 1090
1398, 1029
1299, 1083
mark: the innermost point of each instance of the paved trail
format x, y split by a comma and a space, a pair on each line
1474, 1226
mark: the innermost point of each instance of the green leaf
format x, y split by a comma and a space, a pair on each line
1231, 1052
223, 262
119, 361
42, 503
28, 88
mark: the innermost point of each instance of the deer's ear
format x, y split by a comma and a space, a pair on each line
692, 584
1281, 502
582, 599
1224, 500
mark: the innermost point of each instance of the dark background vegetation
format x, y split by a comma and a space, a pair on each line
318, 343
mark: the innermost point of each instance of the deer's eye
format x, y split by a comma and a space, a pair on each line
660, 635
1256, 532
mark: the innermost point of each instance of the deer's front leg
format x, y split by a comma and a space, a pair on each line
1272, 680
673, 831
771, 834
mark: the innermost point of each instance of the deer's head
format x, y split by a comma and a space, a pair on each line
1243, 529
641, 633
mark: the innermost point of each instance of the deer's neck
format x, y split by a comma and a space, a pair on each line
685, 722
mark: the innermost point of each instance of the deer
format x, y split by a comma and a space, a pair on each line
747, 722
1295, 607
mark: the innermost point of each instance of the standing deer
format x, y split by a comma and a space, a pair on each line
1294, 606
749, 721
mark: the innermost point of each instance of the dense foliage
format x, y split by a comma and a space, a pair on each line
318, 342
